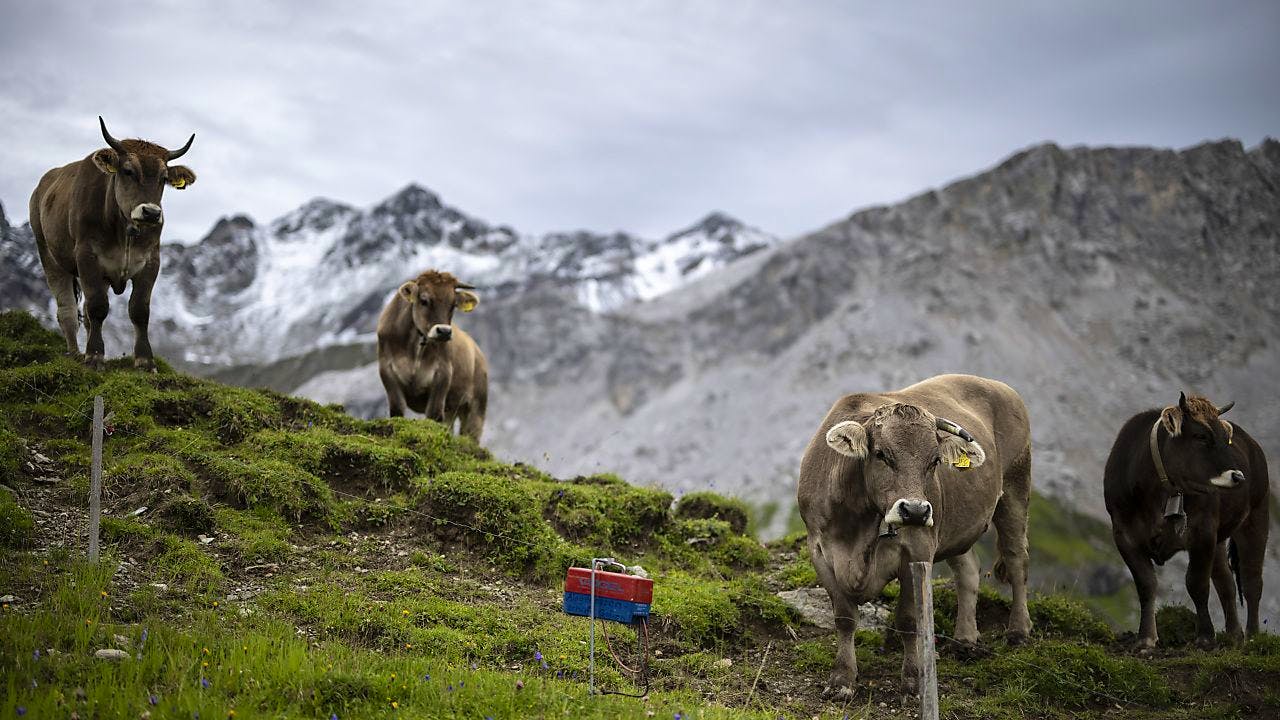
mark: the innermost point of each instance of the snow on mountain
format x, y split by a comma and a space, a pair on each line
319, 276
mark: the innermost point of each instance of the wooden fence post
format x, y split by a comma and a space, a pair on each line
95, 487
922, 581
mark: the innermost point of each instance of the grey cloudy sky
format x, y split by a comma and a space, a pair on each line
639, 115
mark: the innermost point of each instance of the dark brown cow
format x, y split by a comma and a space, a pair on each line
1183, 478
97, 224
428, 364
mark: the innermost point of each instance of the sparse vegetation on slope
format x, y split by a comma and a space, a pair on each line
293, 561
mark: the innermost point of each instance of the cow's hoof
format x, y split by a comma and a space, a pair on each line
95, 361
1016, 638
1144, 644
145, 364
1235, 638
838, 691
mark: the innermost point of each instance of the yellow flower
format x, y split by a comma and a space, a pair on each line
205, 651
215, 603
407, 646
204, 664
103, 593
88, 621
404, 612
231, 713
395, 704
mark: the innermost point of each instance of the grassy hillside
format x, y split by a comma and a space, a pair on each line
294, 562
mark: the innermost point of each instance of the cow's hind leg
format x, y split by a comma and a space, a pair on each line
473, 418
965, 569
1225, 586
1251, 544
1011, 543
1143, 571
62, 285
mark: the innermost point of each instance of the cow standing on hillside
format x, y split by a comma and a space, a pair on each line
1182, 478
97, 224
917, 475
428, 364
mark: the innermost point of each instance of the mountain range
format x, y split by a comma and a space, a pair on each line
1096, 281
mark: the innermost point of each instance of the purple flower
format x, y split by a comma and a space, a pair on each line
35, 654
462, 683
22, 710
333, 716
450, 688
154, 700
537, 654
144, 636
473, 666
427, 676
544, 665
204, 683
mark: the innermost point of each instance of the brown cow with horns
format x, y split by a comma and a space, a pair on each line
97, 224
1183, 478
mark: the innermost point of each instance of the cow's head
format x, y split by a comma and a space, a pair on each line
432, 299
1199, 454
138, 171
901, 448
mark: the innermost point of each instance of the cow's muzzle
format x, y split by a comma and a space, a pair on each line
1228, 479
443, 333
148, 213
910, 512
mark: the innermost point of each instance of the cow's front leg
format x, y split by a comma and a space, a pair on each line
439, 394
1144, 580
1225, 586
140, 313
1199, 568
96, 305
844, 673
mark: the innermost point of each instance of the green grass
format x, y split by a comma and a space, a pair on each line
361, 550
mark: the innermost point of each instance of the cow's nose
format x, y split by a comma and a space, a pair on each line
1228, 479
148, 212
444, 332
1237, 477
914, 512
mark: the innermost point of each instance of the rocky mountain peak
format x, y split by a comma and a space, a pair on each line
410, 200
317, 215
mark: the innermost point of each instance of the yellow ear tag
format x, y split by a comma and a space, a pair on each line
111, 169
962, 462
179, 183
467, 305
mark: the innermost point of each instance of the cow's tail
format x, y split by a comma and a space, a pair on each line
1233, 561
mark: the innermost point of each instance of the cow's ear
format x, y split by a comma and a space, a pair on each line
960, 453
408, 290
467, 300
849, 439
107, 160
179, 176
1171, 419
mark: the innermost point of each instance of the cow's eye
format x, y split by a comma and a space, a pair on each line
935, 462
128, 171
881, 457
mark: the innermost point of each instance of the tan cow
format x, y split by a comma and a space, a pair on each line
917, 475
425, 362
97, 224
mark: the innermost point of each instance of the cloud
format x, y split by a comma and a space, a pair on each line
637, 116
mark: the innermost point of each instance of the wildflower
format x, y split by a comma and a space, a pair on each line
450, 688
537, 655
153, 700
103, 593
144, 636
22, 710
473, 667
215, 603
408, 646
231, 713
427, 676
35, 654
205, 651
405, 613
204, 664
33, 684
393, 676
204, 683
334, 716
462, 683
88, 621
519, 684
395, 705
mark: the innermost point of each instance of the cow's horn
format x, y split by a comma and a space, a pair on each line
946, 425
114, 143
1223, 410
464, 286
175, 154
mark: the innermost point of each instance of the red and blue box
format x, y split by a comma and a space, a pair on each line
619, 597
